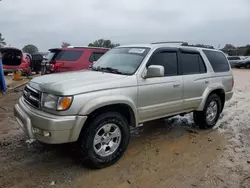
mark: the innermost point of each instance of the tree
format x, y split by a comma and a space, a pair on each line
247, 53
2, 43
103, 43
30, 48
65, 44
229, 47
198, 45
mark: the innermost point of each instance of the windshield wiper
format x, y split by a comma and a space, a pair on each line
111, 70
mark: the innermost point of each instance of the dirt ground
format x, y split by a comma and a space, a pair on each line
166, 153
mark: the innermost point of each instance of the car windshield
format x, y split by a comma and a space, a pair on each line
121, 60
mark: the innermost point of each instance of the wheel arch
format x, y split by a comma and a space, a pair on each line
121, 104
219, 90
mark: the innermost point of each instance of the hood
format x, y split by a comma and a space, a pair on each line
72, 83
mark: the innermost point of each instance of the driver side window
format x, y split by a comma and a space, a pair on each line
166, 59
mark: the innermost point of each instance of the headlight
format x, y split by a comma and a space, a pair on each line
56, 103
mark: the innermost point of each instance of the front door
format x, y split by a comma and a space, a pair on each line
160, 96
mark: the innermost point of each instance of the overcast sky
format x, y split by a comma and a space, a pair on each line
47, 23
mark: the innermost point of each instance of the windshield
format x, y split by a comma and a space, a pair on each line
123, 60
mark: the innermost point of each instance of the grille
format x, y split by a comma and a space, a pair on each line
32, 97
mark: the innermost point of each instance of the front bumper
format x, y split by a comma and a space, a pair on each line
61, 129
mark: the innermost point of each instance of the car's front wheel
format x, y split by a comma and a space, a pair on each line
248, 66
104, 140
209, 116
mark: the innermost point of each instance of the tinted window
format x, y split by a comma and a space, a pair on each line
192, 63
168, 60
95, 56
217, 60
67, 55
233, 58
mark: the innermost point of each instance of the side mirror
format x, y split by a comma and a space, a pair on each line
155, 71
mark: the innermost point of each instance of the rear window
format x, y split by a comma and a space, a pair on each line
233, 58
218, 61
64, 55
95, 56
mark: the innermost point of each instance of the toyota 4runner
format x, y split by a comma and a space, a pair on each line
127, 86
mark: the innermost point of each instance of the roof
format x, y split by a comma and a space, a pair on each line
165, 45
90, 47
79, 47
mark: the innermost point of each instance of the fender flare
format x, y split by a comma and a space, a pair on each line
100, 102
207, 92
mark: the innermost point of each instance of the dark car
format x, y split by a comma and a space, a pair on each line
36, 62
71, 59
244, 63
233, 60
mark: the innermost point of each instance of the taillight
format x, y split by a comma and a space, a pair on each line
58, 65
51, 67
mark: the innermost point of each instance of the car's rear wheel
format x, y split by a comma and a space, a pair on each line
209, 116
248, 66
104, 140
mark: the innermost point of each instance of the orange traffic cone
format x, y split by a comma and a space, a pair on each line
17, 75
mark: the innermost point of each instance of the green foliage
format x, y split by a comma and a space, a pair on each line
30, 48
2, 42
229, 47
247, 51
198, 45
103, 43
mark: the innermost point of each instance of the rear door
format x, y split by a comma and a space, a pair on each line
195, 78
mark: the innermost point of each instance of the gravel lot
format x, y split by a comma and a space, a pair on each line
166, 153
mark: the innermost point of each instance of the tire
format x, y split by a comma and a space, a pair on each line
29, 72
200, 117
247, 66
88, 151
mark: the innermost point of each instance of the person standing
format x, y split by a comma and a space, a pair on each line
2, 80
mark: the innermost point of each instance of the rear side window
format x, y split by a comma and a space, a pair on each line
67, 55
192, 63
95, 56
168, 60
217, 60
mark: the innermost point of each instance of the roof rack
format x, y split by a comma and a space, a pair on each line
88, 47
169, 42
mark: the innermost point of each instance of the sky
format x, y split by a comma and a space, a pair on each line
48, 23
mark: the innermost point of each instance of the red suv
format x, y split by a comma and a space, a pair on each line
71, 59
14, 59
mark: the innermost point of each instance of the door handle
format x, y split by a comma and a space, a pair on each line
176, 85
206, 81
